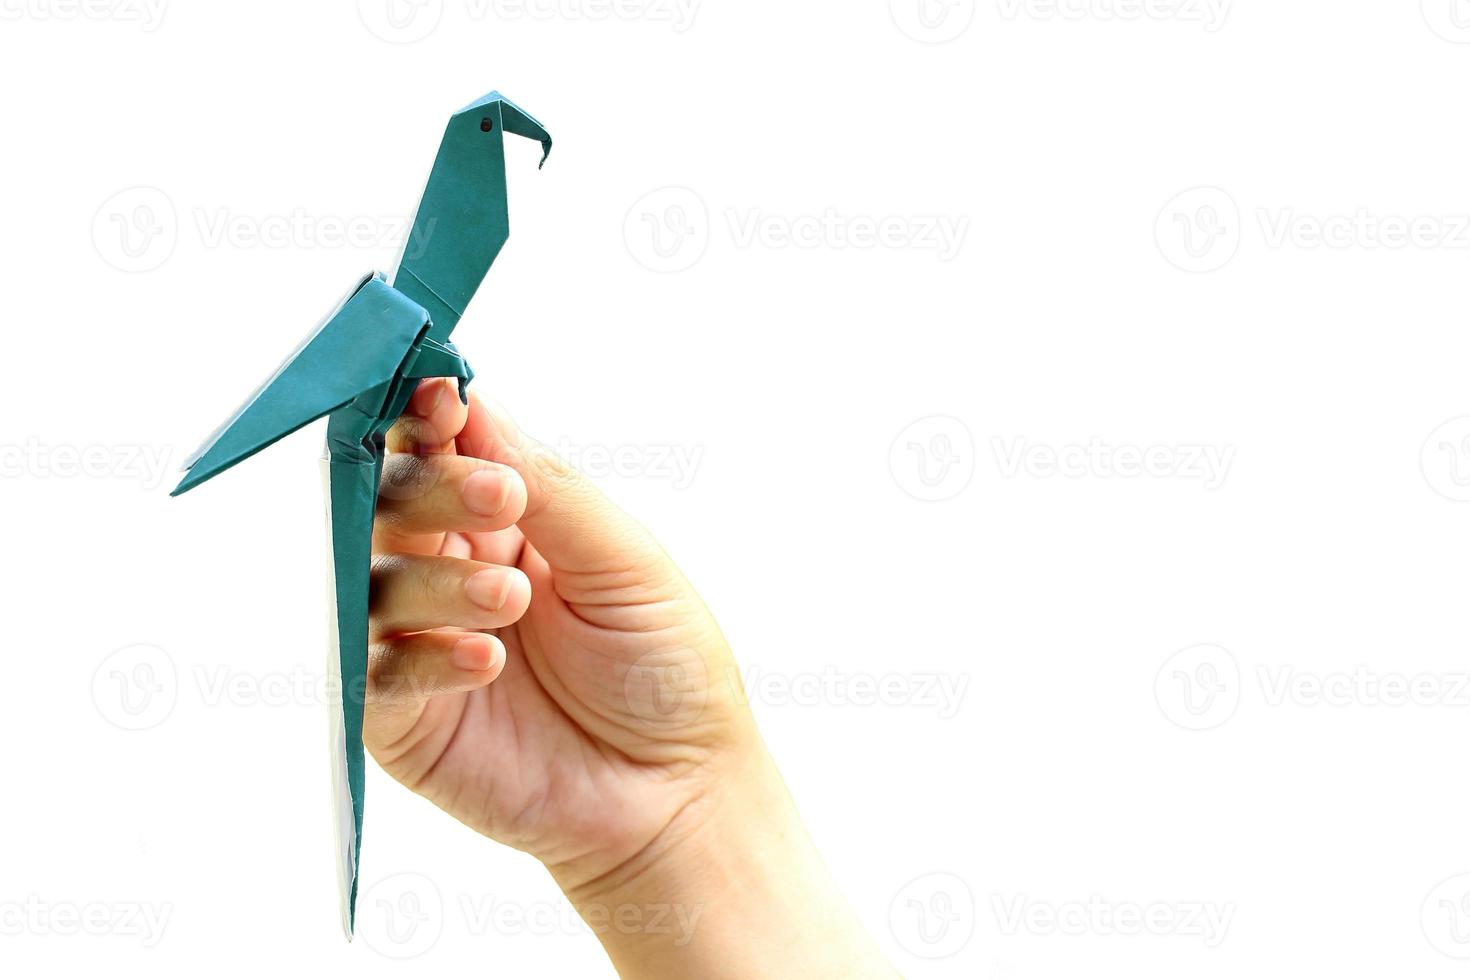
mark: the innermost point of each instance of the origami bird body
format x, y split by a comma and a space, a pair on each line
359, 368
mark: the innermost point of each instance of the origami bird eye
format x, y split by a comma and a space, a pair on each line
486, 125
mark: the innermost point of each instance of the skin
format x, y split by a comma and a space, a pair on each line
542, 671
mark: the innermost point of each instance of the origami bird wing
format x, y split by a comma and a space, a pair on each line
360, 345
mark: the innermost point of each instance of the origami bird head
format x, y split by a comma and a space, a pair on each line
512, 119
461, 223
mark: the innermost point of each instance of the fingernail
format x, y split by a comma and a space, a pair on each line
426, 399
473, 653
485, 492
489, 588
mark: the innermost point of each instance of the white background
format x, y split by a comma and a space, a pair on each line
1158, 462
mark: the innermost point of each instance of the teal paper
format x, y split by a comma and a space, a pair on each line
359, 368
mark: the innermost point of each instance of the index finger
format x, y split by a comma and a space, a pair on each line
428, 427
433, 420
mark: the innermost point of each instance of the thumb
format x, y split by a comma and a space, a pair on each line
568, 520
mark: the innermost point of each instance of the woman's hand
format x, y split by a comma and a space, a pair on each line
543, 672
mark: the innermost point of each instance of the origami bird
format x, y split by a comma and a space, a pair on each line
359, 368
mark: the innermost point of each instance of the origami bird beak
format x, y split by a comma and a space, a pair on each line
516, 120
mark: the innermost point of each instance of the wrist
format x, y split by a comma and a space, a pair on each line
732, 886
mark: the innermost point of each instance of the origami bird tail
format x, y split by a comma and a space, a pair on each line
352, 491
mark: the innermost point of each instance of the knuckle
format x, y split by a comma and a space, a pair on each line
407, 478
411, 434
382, 571
390, 679
551, 474
426, 583
405, 586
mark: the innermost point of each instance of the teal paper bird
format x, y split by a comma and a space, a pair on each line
359, 368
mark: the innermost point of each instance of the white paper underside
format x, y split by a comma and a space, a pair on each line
337, 729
